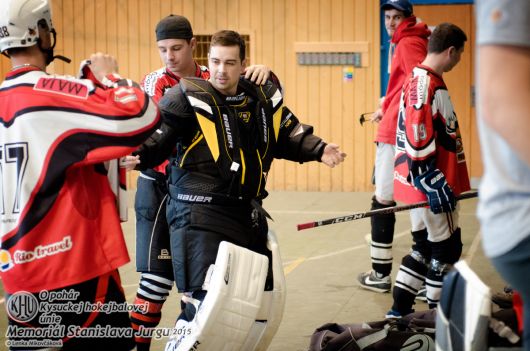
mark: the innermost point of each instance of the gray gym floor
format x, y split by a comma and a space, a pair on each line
321, 264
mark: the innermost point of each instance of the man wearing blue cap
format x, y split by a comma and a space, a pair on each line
408, 47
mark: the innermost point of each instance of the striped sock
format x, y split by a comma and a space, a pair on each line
152, 293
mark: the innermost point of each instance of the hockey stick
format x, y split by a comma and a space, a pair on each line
362, 119
360, 215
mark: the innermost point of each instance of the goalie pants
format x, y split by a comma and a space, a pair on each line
197, 229
152, 233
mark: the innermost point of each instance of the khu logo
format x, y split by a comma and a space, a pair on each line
22, 306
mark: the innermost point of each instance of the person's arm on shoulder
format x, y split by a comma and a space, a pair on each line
504, 75
259, 74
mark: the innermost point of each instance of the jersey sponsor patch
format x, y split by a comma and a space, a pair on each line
418, 91
6, 263
62, 86
42, 251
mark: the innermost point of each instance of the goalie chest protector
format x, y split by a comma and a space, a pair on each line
241, 138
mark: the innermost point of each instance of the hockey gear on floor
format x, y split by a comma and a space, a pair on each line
464, 311
272, 305
371, 281
382, 237
503, 299
361, 215
439, 193
412, 332
224, 318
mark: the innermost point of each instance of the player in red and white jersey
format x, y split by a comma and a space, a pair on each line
59, 226
430, 165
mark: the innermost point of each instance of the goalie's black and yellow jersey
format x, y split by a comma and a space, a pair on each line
231, 140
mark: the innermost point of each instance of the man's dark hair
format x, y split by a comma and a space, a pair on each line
444, 36
229, 38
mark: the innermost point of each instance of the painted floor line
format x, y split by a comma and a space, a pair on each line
470, 254
293, 265
339, 252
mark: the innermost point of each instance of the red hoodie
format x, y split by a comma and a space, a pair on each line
411, 40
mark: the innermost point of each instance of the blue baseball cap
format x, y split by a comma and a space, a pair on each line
401, 5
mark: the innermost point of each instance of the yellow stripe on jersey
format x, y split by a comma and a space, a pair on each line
191, 147
243, 166
210, 135
277, 120
260, 172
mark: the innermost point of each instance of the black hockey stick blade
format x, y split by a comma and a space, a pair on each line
361, 215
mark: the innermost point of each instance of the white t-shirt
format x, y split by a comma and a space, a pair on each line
504, 201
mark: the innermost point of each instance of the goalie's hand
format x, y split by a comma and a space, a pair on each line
332, 155
434, 185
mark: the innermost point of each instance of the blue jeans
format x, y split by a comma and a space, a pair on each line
514, 267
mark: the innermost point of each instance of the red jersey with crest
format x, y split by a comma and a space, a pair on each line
58, 219
156, 83
427, 136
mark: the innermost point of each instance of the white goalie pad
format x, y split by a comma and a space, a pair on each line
462, 317
235, 289
273, 303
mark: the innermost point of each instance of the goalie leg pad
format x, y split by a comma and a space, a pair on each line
224, 318
272, 306
464, 310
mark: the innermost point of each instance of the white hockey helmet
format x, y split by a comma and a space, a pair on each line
19, 22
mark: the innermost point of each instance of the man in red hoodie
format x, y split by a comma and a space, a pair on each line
408, 47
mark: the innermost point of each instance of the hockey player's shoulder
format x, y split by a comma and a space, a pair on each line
64, 85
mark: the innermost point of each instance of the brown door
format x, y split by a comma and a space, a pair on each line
460, 80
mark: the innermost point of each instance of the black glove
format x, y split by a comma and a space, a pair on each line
434, 185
